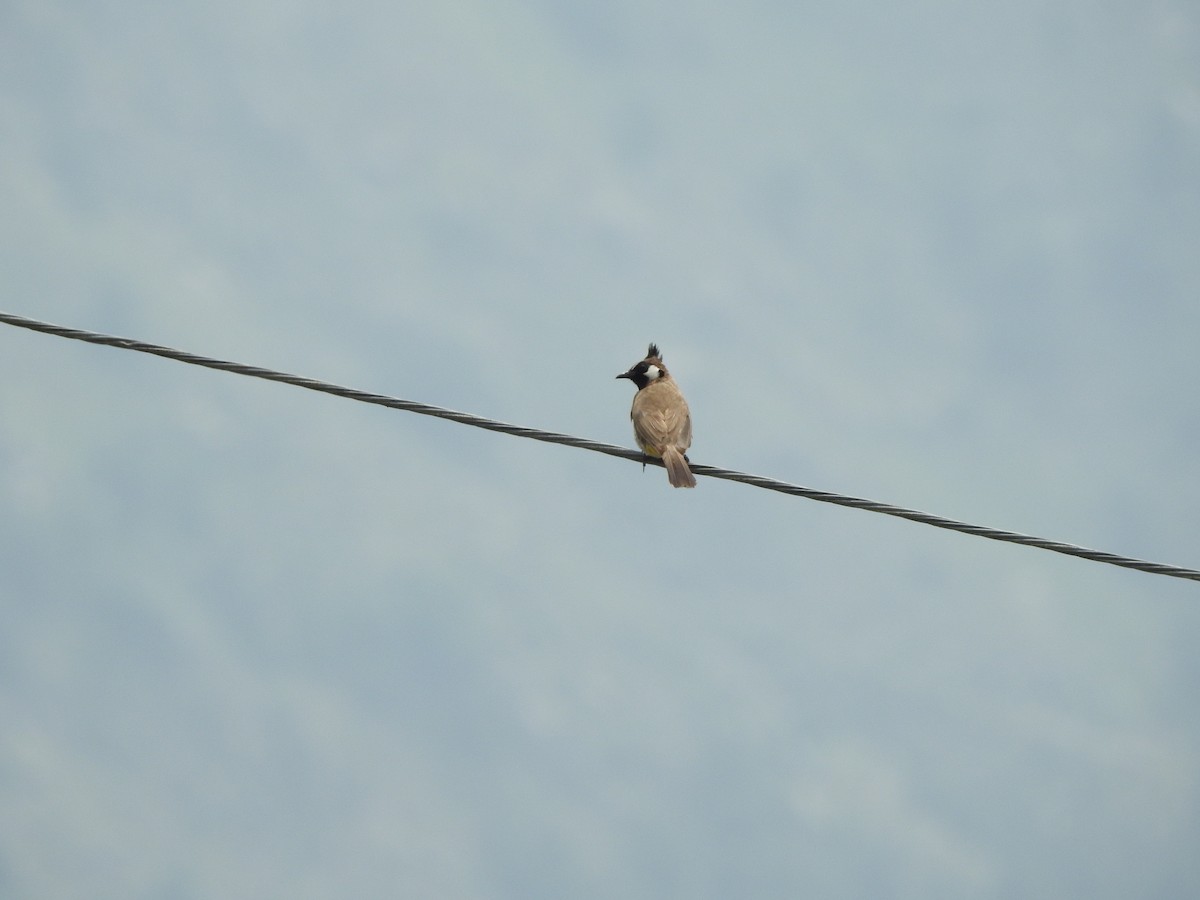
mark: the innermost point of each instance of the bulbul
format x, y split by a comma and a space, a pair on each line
662, 424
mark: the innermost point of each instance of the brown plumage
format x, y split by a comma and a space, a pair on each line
662, 424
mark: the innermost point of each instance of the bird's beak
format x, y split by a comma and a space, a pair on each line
625, 375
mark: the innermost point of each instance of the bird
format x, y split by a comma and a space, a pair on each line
662, 424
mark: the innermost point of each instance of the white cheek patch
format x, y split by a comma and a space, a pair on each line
652, 373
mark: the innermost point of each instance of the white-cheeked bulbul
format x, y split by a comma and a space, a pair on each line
662, 424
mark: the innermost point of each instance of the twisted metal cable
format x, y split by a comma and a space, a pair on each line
551, 437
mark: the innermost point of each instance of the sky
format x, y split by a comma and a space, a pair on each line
257, 641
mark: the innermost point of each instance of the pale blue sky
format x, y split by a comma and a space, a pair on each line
259, 642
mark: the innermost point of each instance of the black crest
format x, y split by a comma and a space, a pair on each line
653, 353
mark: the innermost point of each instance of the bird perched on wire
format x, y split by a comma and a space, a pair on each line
662, 424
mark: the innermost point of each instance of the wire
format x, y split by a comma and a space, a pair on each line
551, 437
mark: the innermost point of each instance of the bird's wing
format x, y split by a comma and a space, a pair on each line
661, 419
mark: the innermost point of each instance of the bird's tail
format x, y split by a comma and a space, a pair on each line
678, 472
